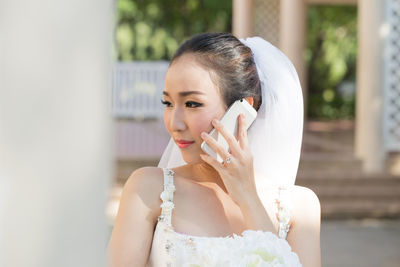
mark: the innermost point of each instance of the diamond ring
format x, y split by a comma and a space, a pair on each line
228, 160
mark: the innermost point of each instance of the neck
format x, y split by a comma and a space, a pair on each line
205, 173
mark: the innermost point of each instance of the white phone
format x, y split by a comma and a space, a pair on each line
229, 120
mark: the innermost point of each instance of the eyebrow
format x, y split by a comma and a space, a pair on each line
186, 93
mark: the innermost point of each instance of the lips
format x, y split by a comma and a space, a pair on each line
183, 143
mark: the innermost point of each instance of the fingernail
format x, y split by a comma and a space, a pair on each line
203, 134
215, 121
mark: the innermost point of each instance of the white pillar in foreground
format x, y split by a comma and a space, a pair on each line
55, 132
242, 19
368, 139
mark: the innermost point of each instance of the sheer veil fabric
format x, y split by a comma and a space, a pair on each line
275, 136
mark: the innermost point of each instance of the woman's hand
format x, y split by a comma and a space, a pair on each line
237, 172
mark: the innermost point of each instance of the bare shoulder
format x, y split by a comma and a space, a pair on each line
132, 234
147, 184
305, 228
305, 204
304, 195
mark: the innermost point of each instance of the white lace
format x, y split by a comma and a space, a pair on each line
252, 248
283, 211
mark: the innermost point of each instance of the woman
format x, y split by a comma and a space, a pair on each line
244, 211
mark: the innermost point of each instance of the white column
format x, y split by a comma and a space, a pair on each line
55, 132
293, 24
368, 136
332, 2
242, 19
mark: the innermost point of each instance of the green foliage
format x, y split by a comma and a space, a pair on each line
153, 29
331, 58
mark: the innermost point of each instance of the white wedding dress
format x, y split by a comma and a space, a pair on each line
251, 249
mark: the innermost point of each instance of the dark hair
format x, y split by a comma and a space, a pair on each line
231, 61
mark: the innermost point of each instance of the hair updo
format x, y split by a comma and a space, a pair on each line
232, 65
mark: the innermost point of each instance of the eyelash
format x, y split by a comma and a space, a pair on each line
195, 104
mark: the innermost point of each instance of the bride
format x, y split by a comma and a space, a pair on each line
192, 210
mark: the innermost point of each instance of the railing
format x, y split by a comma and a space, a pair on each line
391, 120
137, 89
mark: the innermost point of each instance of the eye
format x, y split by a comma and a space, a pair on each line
166, 103
192, 104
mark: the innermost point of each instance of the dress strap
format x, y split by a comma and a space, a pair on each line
167, 197
283, 202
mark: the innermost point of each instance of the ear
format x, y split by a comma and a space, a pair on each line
250, 100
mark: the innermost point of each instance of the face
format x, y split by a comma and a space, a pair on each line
191, 101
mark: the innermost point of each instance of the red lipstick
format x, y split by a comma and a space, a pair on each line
183, 143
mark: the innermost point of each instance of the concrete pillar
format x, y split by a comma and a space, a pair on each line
368, 135
293, 23
55, 132
242, 19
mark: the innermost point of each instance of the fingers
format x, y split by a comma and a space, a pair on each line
242, 132
230, 139
214, 145
212, 161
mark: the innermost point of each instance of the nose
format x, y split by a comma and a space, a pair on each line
177, 122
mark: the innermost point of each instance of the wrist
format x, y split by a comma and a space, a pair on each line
255, 215
250, 201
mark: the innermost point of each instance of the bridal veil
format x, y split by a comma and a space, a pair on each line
275, 137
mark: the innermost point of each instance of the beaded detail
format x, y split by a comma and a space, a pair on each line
251, 248
168, 246
283, 214
167, 197
167, 205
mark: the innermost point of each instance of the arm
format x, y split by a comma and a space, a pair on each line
132, 234
304, 233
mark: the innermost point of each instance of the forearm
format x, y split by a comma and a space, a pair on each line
255, 215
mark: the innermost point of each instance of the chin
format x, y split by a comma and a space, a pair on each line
192, 158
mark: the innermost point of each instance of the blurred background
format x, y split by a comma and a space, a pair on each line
80, 90
346, 55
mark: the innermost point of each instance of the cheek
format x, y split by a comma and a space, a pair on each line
197, 122
167, 118
202, 123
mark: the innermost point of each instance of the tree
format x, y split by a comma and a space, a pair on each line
153, 29
331, 59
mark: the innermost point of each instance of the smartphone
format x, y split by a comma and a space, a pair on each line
229, 120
